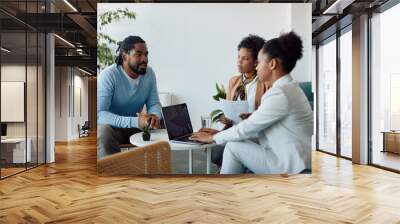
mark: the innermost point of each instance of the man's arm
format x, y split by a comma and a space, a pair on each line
153, 104
273, 108
105, 93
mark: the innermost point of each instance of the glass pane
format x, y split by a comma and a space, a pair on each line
346, 94
31, 97
386, 89
23, 88
13, 85
327, 97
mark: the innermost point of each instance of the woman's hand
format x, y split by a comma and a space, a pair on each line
202, 137
209, 130
227, 122
244, 116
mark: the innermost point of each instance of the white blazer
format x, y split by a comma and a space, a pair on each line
283, 124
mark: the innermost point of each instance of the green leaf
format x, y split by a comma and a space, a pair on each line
105, 56
216, 115
217, 118
217, 87
216, 97
215, 112
223, 96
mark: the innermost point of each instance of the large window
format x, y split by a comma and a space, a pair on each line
327, 96
346, 93
385, 89
22, 77
335, 74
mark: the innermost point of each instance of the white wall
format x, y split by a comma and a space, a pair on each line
67, 80
33, 126
50, 96
80, 83
61, 103
301, 24
193, 46
17, 73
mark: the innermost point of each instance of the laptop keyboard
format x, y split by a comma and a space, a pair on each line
186, 139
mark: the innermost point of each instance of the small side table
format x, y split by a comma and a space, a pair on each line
162, 135
391, 141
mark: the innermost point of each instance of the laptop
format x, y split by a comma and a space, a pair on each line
178, 124
3, 131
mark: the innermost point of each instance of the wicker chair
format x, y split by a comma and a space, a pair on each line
151, 159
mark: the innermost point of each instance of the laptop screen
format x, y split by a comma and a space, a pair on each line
177, 121
3, 129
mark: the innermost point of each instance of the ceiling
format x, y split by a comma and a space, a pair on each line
75, 21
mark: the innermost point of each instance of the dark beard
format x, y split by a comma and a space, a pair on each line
137, 70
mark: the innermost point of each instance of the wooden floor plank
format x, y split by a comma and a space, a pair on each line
69, 191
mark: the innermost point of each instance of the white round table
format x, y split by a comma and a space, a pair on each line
162, 135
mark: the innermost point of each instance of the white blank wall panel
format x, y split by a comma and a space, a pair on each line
12, 101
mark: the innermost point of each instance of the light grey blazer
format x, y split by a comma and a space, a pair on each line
283, 124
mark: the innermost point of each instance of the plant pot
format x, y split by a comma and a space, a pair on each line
146, 136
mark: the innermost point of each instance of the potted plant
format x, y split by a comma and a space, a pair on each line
105, 55
221, 93
146, 132
217, 115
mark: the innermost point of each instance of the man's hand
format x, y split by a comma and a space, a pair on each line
150, 119
244, 116
154, 121
202, 137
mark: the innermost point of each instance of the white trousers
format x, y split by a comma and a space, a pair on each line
247, 154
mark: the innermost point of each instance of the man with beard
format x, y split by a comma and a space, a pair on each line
123, 89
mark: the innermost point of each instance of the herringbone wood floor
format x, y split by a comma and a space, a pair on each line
70, 191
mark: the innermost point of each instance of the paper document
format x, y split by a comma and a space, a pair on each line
232, 109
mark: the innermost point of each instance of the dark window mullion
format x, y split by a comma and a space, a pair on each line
37, 90
26, 86
0, 96
338, 92
317, 96
369, 97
